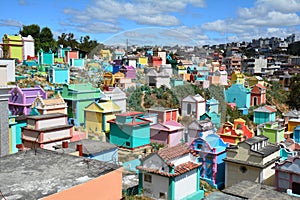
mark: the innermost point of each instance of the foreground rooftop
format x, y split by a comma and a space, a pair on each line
39, 173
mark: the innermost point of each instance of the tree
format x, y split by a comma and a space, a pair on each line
86, 44
294, 96
67, 40
34, 31
46, 39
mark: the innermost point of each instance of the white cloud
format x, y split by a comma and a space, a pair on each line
260, 20
143, 12
10, 22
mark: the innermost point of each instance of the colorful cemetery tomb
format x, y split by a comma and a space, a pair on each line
13, 46
47, 106
296, 135
287, 176
264, 114
117, 96
169, 133
58, 75
129, 71
171, 173
211, 151
193, 106
46, 131
21, 99
239, 95
158, 79
258, 95
175, 82
77, 97
164, 114
12, 134
7, 71
273, 130
97, 114
45, 58
198, 129
28, 47
251, 160
130, 130
235, 133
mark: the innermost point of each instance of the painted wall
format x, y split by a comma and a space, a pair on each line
10, 69
94, 189
157, 185
185, 184
238, 94
261, 117
234, 175
46, 123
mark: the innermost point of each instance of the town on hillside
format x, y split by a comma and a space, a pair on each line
91, 121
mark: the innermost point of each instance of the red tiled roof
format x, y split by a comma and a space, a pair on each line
180, 169
173, 152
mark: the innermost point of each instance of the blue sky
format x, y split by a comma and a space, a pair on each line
156, 22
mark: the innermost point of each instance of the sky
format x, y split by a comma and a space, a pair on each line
156, 22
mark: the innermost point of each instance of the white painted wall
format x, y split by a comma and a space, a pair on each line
10, 63
56, 135
155, 162
158, 184
28, 46
185, 184
51, 122
180, 160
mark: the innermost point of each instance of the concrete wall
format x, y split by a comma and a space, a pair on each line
4, 140
234, 175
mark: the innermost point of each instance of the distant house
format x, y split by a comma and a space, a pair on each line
171, 173
125, 83
129, 130
258, 95
21, 99
237, 78
194, 106
164, 114
97, 114
235, 133
46, 131
273, 130
67, 177
198, 129
47, 106
264, 114
77, 97
251, 160
169, 133
287, 176
211, 151
239, 95
214, 117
